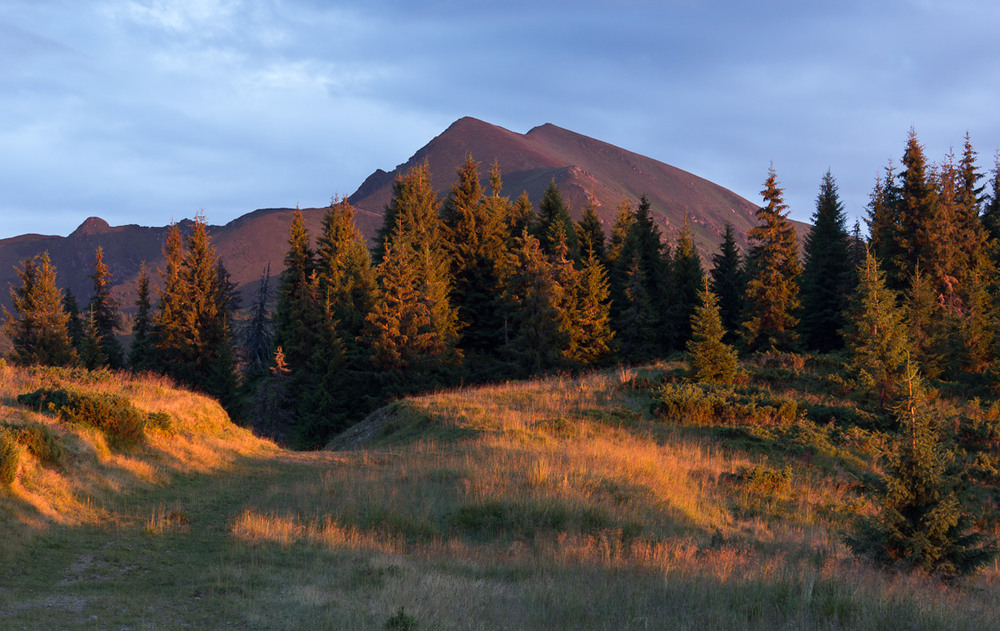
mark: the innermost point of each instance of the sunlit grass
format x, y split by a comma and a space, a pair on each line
555, 503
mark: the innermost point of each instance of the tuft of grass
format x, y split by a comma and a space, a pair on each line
10, 457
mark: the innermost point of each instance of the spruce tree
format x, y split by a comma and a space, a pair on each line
106, 314
591, 338
589, 232
38, 326
537, 335
91, 353
521, 218
634, 325
688, 278
928, 325
772, 297
884, 228
74, 323
141, 351
476, 226
644, 249
258, 334
729, 283
921, 524
876, 339
921, 228
167, 332
969, 198
710, 359
828, 275
554, 221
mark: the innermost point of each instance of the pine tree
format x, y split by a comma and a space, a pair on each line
884, 227
91, 352
141, 351
968, 202
347, 280
828, 275
167, 339
711, 360
922, 524
521, 218
729, 283
74, 323
643, 248
876, 339
634, 325
589, 232
688, 278
591, 339
928, 325
258, 334
538, 334
554, 222
476, 226
921, 228
772, 296
106, 314
38, 326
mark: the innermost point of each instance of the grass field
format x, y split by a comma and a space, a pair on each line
562, 503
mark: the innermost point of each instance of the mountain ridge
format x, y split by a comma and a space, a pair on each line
584, 168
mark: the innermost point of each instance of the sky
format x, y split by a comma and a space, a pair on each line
150, 111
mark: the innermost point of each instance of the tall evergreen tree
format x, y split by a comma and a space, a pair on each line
90, 352
591, 338
772, 296
258, 334
688, 278
928, 325
538, 334
554, 222
876, 339
828, 275
644, 248
920, 223
74, 323
191, 328
969, 197
521, 218
476, 225
589, 232
729, 283
38, 326
884, 227
711, 360
106, 313
140, 355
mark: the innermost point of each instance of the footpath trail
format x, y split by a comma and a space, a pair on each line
164, 558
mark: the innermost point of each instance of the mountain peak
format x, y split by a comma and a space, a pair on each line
91, 226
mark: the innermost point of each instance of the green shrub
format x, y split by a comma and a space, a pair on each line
38, 440
10, 456
161, 421
691, 404
401, 621
120, 421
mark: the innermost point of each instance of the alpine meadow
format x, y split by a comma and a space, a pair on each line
524, 381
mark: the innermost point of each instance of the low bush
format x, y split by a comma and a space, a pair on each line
691, 404
10, 457
38, 440
121, 422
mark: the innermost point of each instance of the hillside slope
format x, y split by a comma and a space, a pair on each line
561, 503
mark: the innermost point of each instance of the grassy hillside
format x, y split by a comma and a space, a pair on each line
557, 503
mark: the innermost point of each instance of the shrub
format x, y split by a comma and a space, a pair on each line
161, 421
120, 421
38, 440
401, 621
10, 457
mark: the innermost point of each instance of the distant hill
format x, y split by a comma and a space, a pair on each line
582, 167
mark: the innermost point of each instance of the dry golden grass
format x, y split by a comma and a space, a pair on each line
555, 503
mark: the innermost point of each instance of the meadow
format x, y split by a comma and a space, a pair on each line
568, 502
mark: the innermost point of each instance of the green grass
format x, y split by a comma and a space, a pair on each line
553, 504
